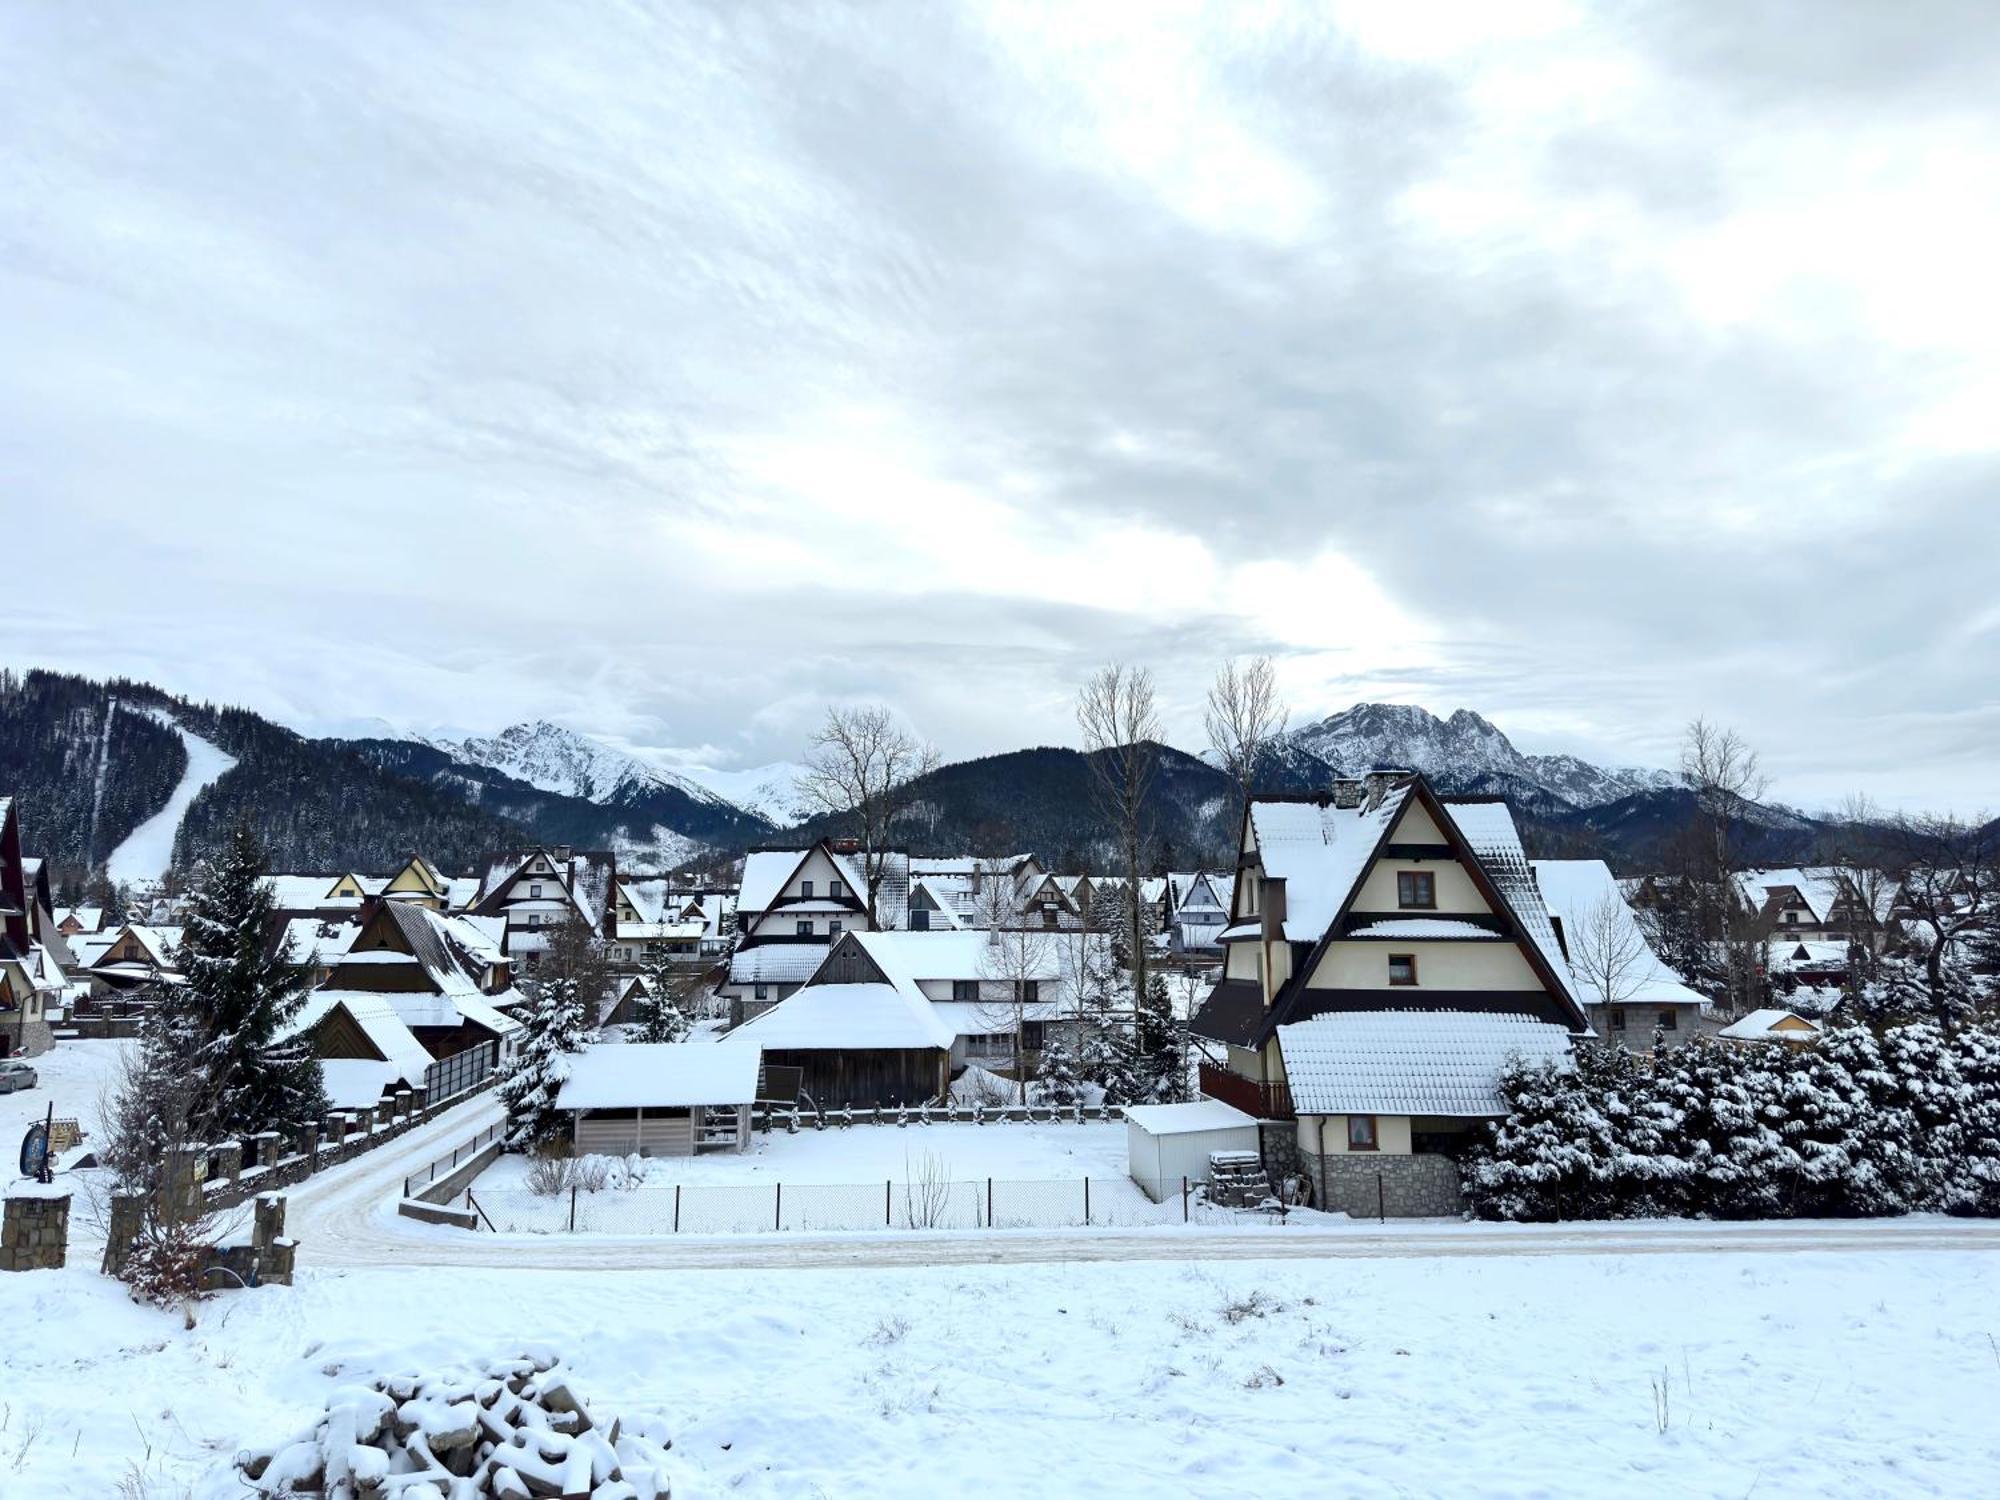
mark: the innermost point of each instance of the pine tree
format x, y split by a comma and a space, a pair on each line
1160, 1046
1538, 1164
230, 1017
557, 1023
656, 1017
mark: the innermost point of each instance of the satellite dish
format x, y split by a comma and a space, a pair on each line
35, 1150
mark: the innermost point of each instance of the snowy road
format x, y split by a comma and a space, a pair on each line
346, 1217
148, 851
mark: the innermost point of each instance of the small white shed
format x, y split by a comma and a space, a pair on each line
660, 1099
1165, 1143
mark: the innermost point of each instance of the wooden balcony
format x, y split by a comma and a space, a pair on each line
1267, 1101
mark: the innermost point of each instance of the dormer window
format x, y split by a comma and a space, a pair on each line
1416, 888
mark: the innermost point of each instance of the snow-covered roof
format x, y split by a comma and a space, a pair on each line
1187, 1119
917, 956
315, 892
987, 1018
847, 1017
1574, 890
1320, 851
319, 939
1789, 955
660, 1075
1488, 828
776, 963
765, 872
1771, 1025
388, 1033
1427, 928
1410, 1062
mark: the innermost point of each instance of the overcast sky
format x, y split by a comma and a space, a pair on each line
669, 370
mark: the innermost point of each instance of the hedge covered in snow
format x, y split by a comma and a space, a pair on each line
1864, 1123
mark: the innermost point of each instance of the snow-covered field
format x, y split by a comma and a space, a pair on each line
149, 849
864, 1177
1861, 1374
879, 1153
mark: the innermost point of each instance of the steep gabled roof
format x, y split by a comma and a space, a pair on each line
1329, 850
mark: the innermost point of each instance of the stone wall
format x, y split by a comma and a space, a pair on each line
34, 1234
1278, 1144
1398, 1187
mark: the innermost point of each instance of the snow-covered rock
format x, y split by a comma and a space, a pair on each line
560, 760
1460, 751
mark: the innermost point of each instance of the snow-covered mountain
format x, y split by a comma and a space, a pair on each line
770, 791
560, 760
1464, 751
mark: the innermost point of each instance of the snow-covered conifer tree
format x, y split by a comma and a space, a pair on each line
230, 1017
558, 1021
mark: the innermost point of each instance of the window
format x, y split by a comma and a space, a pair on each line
1416, 888
806, 889
534, 919
1670, 1020
833, 928
1361, 1133
1791, 916
965, 989
763, 992
1402, 968
1617, 1018
1031, 990
534, 891
1050, 916
834, 889
805, 927
920, 919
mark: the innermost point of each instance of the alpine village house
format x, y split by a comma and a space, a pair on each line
1386, 953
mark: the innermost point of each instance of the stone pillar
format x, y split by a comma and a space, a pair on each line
128, 1211
336, 1131
365, 1120
275, 1253
182, 1183
309, 1141
265, 1144
420, 1099
229, 1158
405, 1105
34, 1232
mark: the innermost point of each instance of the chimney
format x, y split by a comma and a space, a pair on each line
562, 853
1347, 792
1378, 783
1272, 896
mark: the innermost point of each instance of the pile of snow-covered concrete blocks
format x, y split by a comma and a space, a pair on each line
512, 1429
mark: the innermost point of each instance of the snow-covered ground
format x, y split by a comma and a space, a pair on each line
1861, 1374
146, 854
73, 1077
877, 1153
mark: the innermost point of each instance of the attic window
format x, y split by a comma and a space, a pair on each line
833, 889
1416, 888
1402, 968
534, 892
806, 889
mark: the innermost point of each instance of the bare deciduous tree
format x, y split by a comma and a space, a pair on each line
1121, 730
1608, 953
1014, 962
860, 770
1948, 890
1244, 715
1860, 859
1722, 771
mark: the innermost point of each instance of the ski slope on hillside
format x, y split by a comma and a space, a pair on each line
150, 849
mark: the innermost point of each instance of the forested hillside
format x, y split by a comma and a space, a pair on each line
315, 805
80, 794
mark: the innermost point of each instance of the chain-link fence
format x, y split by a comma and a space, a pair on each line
918, 1203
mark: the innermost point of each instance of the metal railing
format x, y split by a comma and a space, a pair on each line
423, 1177
454, 1075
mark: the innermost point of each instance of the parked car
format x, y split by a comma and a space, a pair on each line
15, 1076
